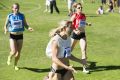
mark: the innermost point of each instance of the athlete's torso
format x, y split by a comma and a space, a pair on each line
16, 22
64, 47
80, 20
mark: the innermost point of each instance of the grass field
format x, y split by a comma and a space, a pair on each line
103, 42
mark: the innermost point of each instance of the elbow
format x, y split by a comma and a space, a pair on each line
54, 59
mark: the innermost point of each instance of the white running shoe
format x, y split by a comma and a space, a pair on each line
16, 68
85, 71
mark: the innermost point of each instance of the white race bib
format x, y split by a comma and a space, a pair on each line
17, 24
67, 52
82, 23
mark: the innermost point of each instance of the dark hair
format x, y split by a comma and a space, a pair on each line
79, 4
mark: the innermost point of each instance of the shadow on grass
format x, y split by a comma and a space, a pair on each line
92, 67
36, 69
48, 69
92, 15
100, 68
105, 68
91, 64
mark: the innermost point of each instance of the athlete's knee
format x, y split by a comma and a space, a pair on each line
72, 78
13, 52
17, 55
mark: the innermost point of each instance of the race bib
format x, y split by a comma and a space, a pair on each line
17, 24
67, 52
82, 23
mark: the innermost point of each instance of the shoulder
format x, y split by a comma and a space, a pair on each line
74, 14
10, 14
21, 14
82, 14
56, 38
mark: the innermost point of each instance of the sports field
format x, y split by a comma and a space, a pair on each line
103, 40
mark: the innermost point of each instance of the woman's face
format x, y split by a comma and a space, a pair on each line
15, 9
69, 29
79, 8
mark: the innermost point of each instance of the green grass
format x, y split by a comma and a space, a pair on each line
103, 42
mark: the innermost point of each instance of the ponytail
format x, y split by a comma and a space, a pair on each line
62, 25
54, 31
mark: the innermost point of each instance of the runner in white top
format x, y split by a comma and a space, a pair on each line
59, 49
64, 47
100, 10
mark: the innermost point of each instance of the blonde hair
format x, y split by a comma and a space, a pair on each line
61, 26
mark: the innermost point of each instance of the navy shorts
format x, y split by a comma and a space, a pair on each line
62, 72
78, 37
16, 37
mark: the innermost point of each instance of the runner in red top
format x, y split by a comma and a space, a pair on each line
79, 22
78, 17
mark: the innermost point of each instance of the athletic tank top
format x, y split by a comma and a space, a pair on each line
64, 47
79, 21
15, 22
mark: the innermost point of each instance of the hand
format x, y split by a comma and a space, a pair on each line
30, 29
77, 32
72, 69
89, 24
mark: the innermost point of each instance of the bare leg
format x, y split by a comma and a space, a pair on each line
83, 45
68, 76
73, 44
13, 45
17, 55
57, 77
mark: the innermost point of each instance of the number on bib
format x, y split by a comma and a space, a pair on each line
17, 24
67, 52
82, 23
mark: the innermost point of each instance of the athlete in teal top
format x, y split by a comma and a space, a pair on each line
15, 24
